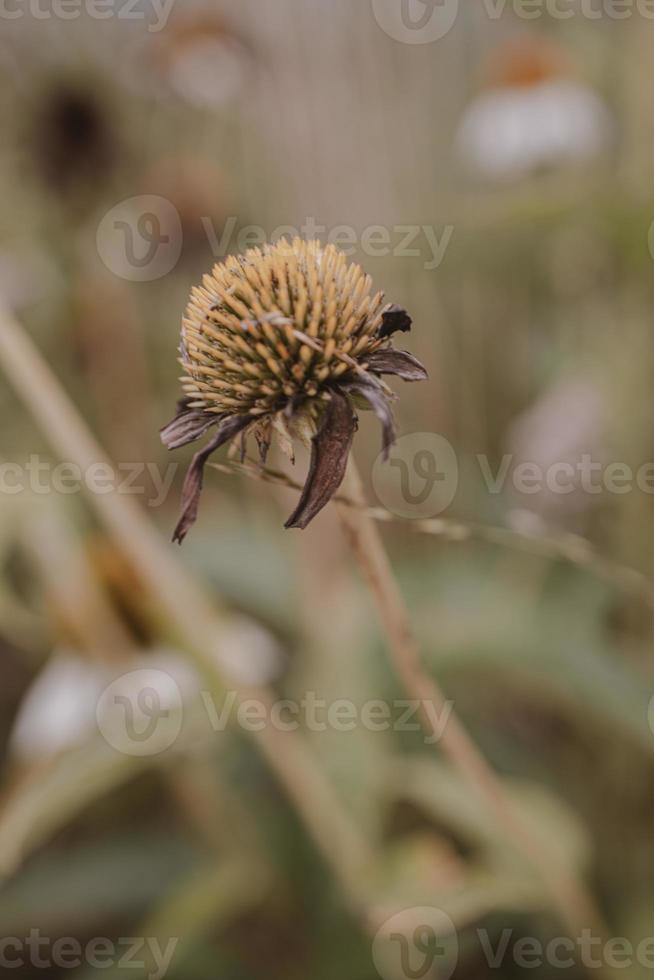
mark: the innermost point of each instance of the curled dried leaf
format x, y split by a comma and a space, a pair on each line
378, 401
188, 425
192, 489
263, 436
284, 437
330, 448
398, 362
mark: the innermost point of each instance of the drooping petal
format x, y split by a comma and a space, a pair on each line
227, 429
330, 448
187, 426
284, 437
398, 362
263, 436
378, 401
395, 318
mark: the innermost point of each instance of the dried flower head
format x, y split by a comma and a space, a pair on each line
287, 340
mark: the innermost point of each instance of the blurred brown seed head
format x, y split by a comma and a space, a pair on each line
73, 137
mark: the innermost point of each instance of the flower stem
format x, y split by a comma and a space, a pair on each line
575, 906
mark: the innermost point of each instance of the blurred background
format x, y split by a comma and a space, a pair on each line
490, 165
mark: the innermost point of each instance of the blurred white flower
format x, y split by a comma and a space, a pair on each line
562, 427
208, 72
248, 653
58, 711
202, 61
73, 699
533, 116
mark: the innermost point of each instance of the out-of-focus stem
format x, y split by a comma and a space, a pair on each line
185, 607
575, 906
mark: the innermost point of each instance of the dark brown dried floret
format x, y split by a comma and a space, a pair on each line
395, 318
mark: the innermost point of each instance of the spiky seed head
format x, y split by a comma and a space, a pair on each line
275, 325
286, 334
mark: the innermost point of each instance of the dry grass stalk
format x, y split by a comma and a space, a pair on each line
575, 906
184, 607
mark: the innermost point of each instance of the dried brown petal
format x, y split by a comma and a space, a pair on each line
263, 437
395, 318
330, 448
398, 362
187, 426
284, 437
379, 403
228, 428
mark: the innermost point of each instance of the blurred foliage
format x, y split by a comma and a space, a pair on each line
546, 280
